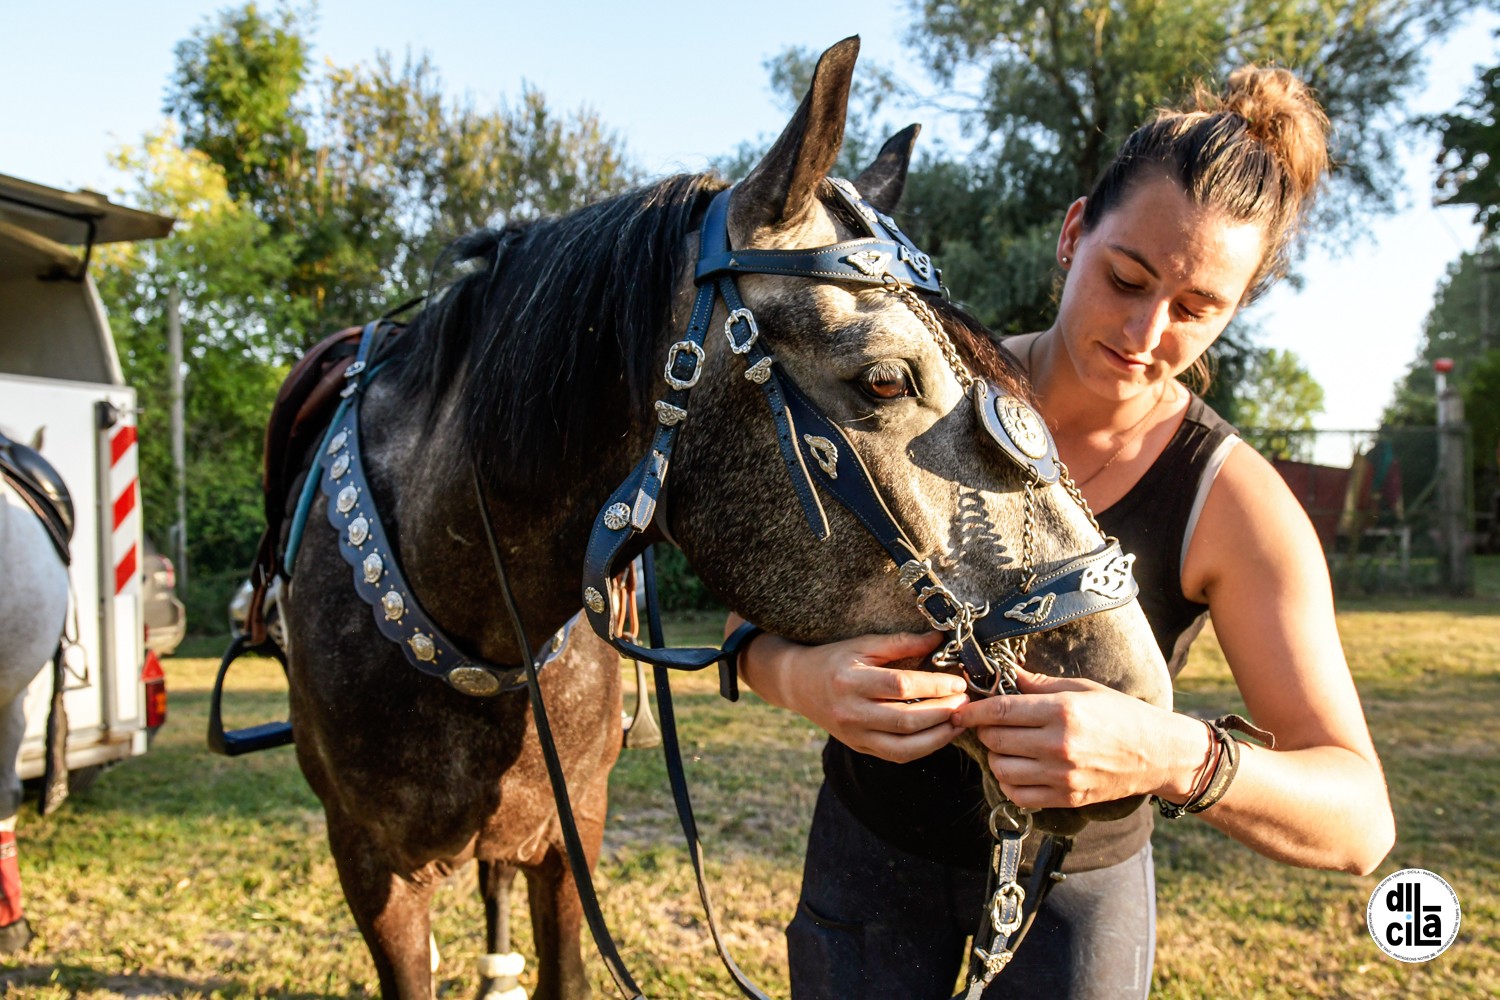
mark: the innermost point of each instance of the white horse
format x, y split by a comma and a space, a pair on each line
33, 604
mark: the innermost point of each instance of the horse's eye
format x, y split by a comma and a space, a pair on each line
886, 380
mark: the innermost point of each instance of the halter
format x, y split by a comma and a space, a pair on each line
988, 642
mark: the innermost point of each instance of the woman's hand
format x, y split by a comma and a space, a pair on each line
1065, 742
848, 689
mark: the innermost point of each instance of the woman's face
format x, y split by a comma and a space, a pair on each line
1151, 286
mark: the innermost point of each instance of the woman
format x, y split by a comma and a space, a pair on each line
1192, 219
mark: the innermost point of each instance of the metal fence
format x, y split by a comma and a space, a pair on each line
1394, 508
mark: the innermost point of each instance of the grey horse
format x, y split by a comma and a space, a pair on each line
539, 362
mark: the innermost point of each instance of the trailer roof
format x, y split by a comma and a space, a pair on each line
68, 216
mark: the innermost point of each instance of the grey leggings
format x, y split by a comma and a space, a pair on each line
876, 922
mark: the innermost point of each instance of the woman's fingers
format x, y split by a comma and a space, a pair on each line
885, 684
882, 648
902, 749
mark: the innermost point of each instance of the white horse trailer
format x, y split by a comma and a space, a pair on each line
60, 376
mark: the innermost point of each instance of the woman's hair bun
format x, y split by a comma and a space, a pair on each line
1280, 113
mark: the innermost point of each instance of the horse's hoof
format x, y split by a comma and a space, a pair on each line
15, 936
498, 975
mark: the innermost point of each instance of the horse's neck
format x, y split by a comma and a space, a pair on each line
542, 528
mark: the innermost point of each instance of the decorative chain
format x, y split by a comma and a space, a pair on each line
1077, 495
929, 319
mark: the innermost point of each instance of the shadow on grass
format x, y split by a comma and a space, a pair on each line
67, 976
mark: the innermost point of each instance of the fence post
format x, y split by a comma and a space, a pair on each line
1455, 563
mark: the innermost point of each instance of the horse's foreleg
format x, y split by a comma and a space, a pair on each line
499, 968
557, 924
391, 912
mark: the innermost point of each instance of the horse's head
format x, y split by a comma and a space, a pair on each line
899, 387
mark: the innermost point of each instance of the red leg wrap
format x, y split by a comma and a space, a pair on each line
10, 880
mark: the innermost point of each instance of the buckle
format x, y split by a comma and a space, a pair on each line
748, 317
675, 352
954, 612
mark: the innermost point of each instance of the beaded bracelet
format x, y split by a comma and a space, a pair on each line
1225, 751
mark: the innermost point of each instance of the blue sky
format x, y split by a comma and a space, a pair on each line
682, 82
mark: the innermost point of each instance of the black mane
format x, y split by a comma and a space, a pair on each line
551, 320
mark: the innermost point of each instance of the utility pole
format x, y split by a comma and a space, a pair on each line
1454, 565
179, 437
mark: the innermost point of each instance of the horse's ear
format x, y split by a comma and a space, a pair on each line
783, 187
883, 180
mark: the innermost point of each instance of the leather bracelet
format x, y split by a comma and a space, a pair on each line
1225, 766
729, 660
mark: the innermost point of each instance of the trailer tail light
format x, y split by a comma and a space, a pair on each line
155, 680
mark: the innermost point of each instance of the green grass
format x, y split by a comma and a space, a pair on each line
185, 875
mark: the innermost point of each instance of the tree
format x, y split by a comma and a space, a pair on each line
227, 269
370, 170
1277, 402
1464, 325
1469, 162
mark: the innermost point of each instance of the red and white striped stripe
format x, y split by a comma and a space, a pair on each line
124, 488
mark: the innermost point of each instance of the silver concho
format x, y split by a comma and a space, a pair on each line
825, 452
359, 531
1023, 425
759, 372
340, 466
422, 647
1111, 581
348, 497
337, 442
594, 600
475, 681
373, 566
668, 415
394, 605
913, 570
871, 262
616, 516
1033, 611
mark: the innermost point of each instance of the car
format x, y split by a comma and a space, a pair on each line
239, 608
164, 614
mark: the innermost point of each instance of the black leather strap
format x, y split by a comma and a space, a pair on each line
577, 859
677, 775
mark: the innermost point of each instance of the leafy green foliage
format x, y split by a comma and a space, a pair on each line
1277, 398
370, 171
1470, 156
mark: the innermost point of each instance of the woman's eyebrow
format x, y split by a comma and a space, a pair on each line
1136, 256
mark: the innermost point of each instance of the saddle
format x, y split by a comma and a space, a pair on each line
304, 406
36, 481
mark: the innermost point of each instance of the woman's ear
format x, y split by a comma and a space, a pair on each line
1072, 232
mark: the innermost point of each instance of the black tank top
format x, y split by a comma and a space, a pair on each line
934, 807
